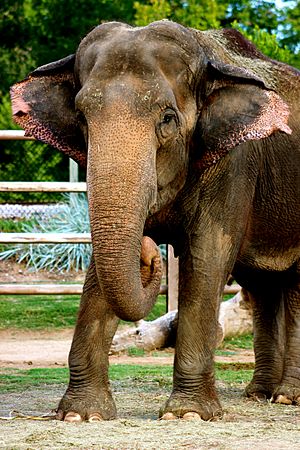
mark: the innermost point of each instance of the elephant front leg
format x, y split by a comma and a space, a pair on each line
194, 393
88, 396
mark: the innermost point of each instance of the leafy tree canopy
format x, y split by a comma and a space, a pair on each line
35, 32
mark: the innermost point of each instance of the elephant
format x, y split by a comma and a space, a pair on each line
189, 138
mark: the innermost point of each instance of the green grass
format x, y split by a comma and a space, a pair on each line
18, 380
244, 341
38, 312
50, 312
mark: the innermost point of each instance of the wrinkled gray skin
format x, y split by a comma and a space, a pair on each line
190, 138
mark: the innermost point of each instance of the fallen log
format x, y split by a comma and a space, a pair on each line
235, 318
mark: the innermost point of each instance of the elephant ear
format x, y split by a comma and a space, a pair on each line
238, 108
43, 105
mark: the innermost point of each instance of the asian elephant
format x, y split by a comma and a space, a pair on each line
190, 138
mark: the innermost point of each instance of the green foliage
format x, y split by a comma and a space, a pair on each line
159, 309
201, 15
268, 44
13, 226
253, 13
74, 218
291, 26
155, 10
15, 32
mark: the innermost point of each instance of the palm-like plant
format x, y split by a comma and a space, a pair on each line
73, 218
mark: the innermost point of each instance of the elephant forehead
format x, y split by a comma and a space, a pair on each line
144, 51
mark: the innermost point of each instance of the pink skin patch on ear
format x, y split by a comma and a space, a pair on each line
28, 118
273, 116
18, 105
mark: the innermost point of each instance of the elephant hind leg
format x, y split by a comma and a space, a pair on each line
288, 391
269, 341
88, 396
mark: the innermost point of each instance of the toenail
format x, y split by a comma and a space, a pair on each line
191, 416
95, 418
73, 417
283, 400
168, 416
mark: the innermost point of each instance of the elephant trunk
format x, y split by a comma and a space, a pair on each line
121, 185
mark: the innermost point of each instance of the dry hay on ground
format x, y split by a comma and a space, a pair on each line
246, 425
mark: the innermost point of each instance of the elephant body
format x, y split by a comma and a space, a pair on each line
189, 138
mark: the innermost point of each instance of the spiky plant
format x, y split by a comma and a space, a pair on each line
73, 218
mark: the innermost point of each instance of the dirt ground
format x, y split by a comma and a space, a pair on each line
12, 272
246, 425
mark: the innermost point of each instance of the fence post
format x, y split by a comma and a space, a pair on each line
73, 171
173, 279
73, 175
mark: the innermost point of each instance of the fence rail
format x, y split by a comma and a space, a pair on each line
41, 186
71, 289
51, 289
45, 238
15, 135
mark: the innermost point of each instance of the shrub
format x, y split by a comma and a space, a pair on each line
73, 218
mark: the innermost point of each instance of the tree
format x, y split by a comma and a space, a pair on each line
253, 13
59, 25
269, 45
15, 32
200, 15
291, 27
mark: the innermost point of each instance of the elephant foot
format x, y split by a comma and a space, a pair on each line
259, 392
179, 407
78, 408
286, 394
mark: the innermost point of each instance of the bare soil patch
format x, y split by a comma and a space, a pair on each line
12, 272
21, 349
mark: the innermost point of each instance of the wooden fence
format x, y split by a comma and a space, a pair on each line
37, 238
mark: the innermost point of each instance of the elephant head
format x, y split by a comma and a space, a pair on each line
141, 108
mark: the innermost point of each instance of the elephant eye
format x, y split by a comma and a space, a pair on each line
168, 123
168, 117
